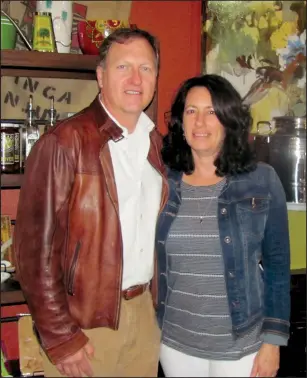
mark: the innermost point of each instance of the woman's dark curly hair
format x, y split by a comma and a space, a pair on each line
236, 155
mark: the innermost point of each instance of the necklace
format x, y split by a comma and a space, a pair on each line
214, 193
202, 215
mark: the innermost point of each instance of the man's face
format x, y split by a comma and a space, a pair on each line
128, 79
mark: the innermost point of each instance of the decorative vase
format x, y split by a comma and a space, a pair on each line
91, 33
62, 17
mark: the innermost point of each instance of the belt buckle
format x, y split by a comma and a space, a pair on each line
127, 291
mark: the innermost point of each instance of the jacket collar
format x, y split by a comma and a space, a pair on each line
106, 126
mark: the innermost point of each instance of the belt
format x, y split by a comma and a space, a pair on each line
134, 291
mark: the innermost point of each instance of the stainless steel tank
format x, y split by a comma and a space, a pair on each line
284, 148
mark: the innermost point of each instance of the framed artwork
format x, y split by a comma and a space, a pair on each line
260, 47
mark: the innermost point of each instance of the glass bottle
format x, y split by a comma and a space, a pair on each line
52, 116
30, 133
17, 148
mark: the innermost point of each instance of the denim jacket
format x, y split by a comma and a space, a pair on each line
253, 229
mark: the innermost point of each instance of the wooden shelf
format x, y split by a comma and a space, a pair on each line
11, 293
48, 65
11, 181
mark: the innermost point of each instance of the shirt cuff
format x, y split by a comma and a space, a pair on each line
272, 338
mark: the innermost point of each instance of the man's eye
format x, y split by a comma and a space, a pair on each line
121, 66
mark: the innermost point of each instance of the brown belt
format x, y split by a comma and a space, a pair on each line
134, 291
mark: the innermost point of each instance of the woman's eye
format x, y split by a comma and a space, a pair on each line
121, 66
190, 111
211, 111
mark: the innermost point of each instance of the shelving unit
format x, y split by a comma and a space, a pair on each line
45, 65
11, 181
48, 65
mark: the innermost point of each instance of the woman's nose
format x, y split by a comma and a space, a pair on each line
200, 119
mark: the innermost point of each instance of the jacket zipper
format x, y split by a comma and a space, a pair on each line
73, 269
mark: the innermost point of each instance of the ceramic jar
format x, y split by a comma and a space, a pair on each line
62, 17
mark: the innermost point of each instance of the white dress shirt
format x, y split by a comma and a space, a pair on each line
139, 188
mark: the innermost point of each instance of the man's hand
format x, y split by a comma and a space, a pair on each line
266, 363
78, 364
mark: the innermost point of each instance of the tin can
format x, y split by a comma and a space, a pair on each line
10, 145
7, 149
43, 34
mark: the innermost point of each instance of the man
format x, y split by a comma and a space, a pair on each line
84, 237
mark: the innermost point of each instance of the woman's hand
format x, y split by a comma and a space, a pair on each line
266, 363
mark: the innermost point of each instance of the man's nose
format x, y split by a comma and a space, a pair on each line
136, 78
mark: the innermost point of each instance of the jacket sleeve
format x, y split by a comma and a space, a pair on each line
39, 245
276, 263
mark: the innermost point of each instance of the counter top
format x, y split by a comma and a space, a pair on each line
296, 206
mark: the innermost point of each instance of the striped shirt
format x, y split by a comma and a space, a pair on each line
197, 319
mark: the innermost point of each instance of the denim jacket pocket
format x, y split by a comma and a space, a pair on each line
252, 216
254, 204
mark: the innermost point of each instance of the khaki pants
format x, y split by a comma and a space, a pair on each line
131, 351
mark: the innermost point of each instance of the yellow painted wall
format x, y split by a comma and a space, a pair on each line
297, 227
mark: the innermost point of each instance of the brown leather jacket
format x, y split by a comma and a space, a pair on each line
67, 239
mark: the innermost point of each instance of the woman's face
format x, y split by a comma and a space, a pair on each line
203, 131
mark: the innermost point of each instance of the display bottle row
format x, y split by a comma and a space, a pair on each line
17, 140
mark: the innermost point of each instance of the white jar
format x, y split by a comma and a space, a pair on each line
62, 16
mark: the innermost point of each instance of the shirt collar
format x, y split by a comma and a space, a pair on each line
144, 123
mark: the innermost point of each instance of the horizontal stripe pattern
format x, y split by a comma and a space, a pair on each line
197, 319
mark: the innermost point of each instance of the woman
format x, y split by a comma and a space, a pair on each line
222, 242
